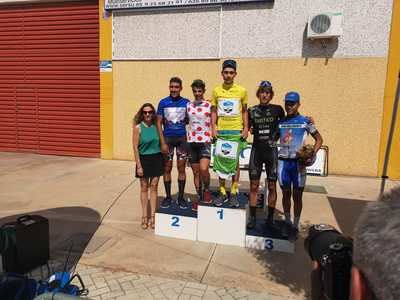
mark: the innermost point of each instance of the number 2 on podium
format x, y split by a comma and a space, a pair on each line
175, 221
221, 214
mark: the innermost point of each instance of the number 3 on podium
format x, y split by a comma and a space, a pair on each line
269, 244
220, 214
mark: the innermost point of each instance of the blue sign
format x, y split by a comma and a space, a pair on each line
105, 66
228, 106
226, 148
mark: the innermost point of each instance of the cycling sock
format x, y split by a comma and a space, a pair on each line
271, 211
296, 221
287, 218
167, 186
253, 210
234, 188
181, 188
222, 187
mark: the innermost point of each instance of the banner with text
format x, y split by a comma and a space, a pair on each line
129, 4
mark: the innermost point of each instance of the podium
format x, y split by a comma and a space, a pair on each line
176, 222
223, 225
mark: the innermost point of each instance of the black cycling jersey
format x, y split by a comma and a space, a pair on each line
264, 121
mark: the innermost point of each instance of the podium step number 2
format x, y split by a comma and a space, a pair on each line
176, 226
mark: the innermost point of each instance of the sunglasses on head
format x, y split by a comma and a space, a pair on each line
265, 83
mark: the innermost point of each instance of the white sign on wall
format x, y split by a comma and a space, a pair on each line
129, 4
320, 166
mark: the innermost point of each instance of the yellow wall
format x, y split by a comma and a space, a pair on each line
344, 96
390, 91
106, 87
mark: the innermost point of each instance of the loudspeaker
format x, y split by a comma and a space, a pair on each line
30, 247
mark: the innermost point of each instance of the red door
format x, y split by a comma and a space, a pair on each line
49, 79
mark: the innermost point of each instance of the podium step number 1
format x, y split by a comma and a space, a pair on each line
222, 225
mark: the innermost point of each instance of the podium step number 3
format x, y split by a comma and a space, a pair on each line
270, 244
269, 238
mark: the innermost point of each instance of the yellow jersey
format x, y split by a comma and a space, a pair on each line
229, 101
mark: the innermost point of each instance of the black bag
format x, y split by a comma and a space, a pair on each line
30, 244
17, 287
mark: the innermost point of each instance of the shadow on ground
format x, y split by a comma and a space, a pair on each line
71, 231
293, 270
347, 212
290, 270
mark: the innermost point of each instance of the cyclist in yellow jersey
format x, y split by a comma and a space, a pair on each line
229, 103
230, 126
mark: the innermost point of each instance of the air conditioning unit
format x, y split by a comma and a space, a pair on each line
324, 25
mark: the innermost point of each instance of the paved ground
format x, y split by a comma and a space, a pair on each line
95, 204
110, 284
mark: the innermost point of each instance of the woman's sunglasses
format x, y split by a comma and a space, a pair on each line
148, 112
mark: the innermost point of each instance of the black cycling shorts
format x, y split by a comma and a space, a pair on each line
198, 151
260, 156
178, 142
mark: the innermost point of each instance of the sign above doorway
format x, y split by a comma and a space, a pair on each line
146, 4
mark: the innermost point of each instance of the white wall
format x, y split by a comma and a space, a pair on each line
182, 33
270, 29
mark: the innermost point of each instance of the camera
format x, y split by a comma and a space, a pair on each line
333, 252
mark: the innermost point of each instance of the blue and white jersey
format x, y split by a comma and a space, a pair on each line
173, 112
293, 132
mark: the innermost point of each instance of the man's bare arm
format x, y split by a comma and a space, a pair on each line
214, 121
245, 118
163, 145
318, 141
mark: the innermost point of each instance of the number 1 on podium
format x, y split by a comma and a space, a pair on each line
221, 214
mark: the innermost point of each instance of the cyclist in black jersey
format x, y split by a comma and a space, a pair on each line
263, 122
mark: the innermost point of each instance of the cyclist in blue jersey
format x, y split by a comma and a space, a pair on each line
171, 125
293, 130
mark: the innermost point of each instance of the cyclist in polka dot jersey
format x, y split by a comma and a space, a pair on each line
199, 141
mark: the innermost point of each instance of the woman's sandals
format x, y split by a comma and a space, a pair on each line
144, 224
